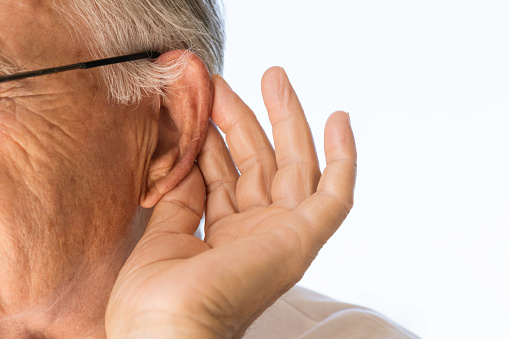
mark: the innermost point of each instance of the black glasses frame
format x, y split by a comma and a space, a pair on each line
81, 65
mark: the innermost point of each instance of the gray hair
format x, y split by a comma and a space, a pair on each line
119, 27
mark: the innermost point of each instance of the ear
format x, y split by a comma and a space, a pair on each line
182, 121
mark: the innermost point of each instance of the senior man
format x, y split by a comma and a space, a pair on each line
104, 174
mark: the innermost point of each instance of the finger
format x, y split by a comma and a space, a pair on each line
250, 149
175, 219
220, 175
181, 209
329, 206
298, 171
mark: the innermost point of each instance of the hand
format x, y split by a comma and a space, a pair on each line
262, 228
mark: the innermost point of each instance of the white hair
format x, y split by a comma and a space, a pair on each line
118, 27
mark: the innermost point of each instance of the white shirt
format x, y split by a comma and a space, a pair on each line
304, 314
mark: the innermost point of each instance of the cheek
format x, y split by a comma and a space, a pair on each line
65, 148
110, 159
110, 162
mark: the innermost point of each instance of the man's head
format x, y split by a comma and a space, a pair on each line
81, 151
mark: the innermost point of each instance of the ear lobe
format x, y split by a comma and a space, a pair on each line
183, 122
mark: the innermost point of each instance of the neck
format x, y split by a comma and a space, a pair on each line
71, 307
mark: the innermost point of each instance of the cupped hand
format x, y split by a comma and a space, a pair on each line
263, 227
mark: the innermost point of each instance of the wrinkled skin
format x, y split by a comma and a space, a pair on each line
262, 229
68, 159
76, 169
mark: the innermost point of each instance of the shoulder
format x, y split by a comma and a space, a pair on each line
302, 313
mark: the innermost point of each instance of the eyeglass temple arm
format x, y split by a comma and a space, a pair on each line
82, 65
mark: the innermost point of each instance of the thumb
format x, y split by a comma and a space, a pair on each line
176, 217
180, 210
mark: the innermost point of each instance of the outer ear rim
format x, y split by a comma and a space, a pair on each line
195, 75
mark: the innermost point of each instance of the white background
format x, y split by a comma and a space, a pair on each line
427, 87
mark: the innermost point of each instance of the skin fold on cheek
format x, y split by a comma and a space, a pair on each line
22, 139
12, 152
7, 110
7, 105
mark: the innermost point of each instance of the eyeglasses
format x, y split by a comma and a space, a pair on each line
81, 65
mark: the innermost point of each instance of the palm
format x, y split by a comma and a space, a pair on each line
262, 229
